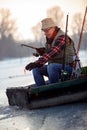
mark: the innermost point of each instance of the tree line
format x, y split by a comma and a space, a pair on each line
10, 48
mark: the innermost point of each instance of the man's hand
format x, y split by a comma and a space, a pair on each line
41, 51
35, 54
32, 66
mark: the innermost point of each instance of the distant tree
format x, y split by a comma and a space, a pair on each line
8, 25
8, 29
56, 14
76, 23
39, 37
76, 30
37, 31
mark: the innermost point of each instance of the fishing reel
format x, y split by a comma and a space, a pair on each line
64, 75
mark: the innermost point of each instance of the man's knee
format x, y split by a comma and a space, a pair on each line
51, 66
35, 70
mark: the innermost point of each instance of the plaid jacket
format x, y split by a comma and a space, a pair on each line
53, 51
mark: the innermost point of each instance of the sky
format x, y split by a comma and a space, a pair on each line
29, 12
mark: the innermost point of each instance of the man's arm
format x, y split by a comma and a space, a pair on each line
60, 43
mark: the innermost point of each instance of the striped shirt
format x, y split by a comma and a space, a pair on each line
59, 45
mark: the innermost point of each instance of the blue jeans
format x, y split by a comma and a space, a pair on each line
52, 71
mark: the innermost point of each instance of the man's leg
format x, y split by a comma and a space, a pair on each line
69, 70
54, 72
38, 74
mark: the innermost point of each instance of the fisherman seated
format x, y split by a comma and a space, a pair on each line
53, 54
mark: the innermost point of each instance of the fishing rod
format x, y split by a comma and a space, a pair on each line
78, 48
65, 41
39, 51
35, 54
29, 46
80, 38
64, 74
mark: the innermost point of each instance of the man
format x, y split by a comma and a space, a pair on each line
53, 55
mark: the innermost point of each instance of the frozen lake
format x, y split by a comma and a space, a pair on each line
65, 117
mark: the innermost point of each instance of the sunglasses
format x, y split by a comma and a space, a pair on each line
47, 30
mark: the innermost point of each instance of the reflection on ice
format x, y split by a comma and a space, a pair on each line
67, 117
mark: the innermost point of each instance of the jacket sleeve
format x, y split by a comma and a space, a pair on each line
59, 45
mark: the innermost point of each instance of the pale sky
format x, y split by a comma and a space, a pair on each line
30, 12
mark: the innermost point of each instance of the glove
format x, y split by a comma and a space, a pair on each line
41, 51
32, 66
35, 54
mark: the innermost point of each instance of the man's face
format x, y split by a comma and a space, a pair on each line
49, 31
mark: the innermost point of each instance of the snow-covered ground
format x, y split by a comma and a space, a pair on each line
65, 117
